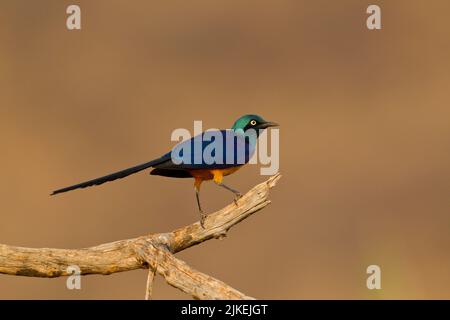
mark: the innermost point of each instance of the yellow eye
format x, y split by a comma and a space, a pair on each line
253, 122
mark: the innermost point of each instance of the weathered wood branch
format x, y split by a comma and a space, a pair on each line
149, 288
155, 251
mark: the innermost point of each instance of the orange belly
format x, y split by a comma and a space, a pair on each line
208, 174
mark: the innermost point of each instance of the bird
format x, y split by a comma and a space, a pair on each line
187, 159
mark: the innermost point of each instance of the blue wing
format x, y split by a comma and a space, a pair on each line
218, 149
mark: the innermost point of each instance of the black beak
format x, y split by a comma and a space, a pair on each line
267, 124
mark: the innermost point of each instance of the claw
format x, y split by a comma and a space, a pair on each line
203, 219
236, 199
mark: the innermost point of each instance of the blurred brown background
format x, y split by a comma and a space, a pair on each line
365, 139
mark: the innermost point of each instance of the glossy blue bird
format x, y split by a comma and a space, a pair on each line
208, 156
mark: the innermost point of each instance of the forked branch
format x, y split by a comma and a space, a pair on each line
155, 252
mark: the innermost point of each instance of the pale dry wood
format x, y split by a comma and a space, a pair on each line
152, 251
179, 275
150, 278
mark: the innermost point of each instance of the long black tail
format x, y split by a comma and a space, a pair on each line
112, 176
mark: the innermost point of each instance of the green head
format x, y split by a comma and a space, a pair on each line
252, 121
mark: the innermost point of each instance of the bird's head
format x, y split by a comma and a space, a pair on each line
252, 121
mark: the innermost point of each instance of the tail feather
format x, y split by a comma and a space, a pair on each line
112, 176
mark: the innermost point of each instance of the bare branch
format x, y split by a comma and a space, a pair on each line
150, 278
179, 275
152, 251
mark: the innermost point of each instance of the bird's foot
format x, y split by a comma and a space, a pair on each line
203, 219
237, 197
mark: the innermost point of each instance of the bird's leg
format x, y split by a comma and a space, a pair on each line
218, 177
237, 194
197, 195
202, 214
